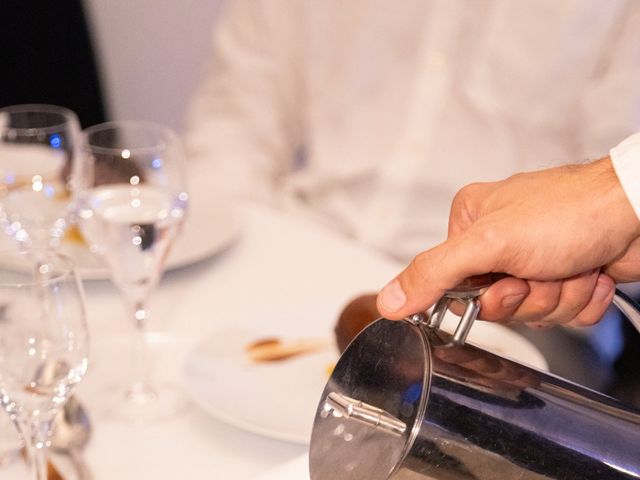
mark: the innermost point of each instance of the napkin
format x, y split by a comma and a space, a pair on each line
296, 469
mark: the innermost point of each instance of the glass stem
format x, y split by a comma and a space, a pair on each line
36, 439
141, 390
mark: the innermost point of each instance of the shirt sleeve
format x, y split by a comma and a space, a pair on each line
610, 101
242, 128
626, 163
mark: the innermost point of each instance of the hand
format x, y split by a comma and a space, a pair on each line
569, 231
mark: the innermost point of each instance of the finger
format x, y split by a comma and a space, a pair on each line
600, 300
503, 298
576, 293
542, 299
433, 272
625, 269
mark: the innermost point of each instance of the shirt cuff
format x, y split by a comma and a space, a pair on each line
626, 163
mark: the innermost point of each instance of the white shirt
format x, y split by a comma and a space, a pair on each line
371, 114
626, 162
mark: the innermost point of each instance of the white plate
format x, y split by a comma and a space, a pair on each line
275, 399
210, 227
279, 399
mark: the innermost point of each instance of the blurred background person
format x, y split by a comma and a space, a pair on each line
369, 115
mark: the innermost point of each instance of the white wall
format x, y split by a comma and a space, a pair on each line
151, 53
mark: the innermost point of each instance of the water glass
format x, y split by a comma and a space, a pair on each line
44, 344
38, 144
130, 202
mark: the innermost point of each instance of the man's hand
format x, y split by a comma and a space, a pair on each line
564, 236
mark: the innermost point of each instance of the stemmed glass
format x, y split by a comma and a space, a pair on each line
130, 202
37, 146
44, 344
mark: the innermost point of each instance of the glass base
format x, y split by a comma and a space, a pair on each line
142, 404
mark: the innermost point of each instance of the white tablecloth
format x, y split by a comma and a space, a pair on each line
280, 266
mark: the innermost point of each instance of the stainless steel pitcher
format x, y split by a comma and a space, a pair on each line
407, 401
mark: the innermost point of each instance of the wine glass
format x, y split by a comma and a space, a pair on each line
44, 344
37, 146
130, 203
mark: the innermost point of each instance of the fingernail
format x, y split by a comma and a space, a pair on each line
511, 301
392, 296
602, 291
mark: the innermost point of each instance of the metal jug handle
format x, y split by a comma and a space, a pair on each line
628, 307
470, 290
466, 293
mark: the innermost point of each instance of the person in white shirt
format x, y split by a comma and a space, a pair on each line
565, 236
371, 114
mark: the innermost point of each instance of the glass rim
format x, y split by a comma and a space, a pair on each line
65, 112
66, 271
166, 135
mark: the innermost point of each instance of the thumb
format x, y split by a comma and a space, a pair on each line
423, 282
